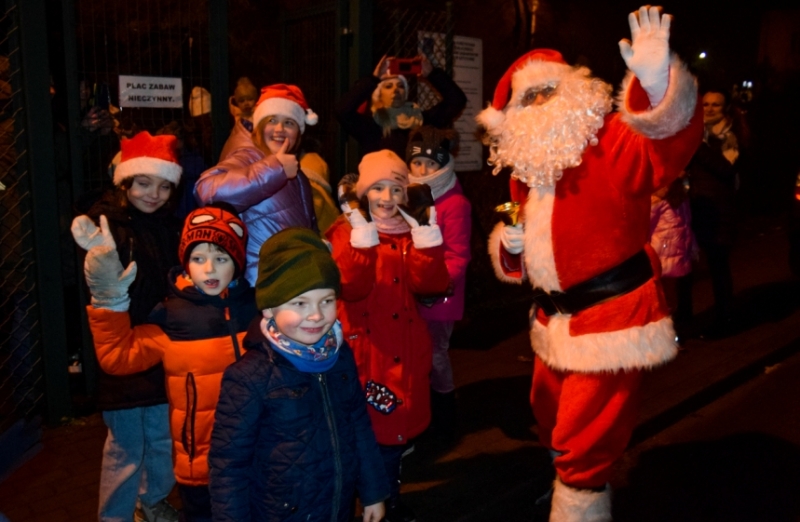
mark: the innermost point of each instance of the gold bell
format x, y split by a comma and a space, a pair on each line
509, 212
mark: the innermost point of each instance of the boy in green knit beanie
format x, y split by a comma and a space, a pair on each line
292, 437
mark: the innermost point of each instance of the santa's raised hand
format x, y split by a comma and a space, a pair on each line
647, 55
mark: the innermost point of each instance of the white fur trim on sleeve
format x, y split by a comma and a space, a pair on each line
636, 347
672, 114
428, 236
148, 166
580, 505
494, 255
364, 237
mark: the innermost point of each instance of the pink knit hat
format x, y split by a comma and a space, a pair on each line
383, 165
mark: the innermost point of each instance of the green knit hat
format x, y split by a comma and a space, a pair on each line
292, 262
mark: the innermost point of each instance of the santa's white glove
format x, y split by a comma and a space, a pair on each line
424, 236
87, 235
648, 55
107, 281
512, 238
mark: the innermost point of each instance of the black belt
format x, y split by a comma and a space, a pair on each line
623, 278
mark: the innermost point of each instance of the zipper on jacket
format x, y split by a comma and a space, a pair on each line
337, 454
187, 437
232, 330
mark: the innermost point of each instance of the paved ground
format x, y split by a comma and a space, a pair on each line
490, 473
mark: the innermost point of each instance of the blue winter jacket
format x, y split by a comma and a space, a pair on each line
266, 200
291, 446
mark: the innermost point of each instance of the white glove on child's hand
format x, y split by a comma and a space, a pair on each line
87, 235
424, 236
107, 281
364, 233
512, 238
648, 55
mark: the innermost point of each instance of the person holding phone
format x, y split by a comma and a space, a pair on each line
377, 113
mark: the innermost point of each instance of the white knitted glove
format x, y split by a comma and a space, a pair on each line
648, 55
107, 282
512, 237
425, 236
106, 279
87, 235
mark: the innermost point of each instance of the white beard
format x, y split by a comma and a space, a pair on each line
540, 141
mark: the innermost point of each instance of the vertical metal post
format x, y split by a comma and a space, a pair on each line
218, 44
70, 46
360, 58
449, 39
41, 162
344, 40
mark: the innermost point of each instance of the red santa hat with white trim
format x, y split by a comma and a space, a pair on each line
284, 100
146, 155
536, 67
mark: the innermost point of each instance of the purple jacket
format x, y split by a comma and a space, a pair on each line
257, 187
453, 214
671, 237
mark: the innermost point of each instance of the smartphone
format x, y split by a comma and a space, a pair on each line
405, 66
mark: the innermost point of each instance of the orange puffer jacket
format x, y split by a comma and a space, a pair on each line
196, 336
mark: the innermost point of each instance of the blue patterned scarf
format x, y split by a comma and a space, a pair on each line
310, 359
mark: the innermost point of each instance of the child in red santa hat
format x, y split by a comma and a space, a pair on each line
261, 176
137, 456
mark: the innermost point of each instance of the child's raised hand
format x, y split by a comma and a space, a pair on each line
289, 161
107, 281
374, 512
87, 235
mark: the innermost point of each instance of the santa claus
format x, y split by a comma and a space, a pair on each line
583, 176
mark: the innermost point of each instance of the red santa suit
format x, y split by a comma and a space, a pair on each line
588, 364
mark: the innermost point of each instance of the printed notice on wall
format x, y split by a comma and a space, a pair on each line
150, 91
468, 74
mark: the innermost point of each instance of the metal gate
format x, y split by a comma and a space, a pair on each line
32, 354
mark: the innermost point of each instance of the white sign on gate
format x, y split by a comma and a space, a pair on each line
150, 91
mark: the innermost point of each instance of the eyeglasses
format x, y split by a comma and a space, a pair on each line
538, 95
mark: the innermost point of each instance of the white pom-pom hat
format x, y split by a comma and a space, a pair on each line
286, 100
533, 68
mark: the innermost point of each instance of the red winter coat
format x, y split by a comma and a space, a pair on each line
379, 315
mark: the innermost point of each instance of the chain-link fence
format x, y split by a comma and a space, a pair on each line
21, 372
168, 38
406, 32
309, 60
